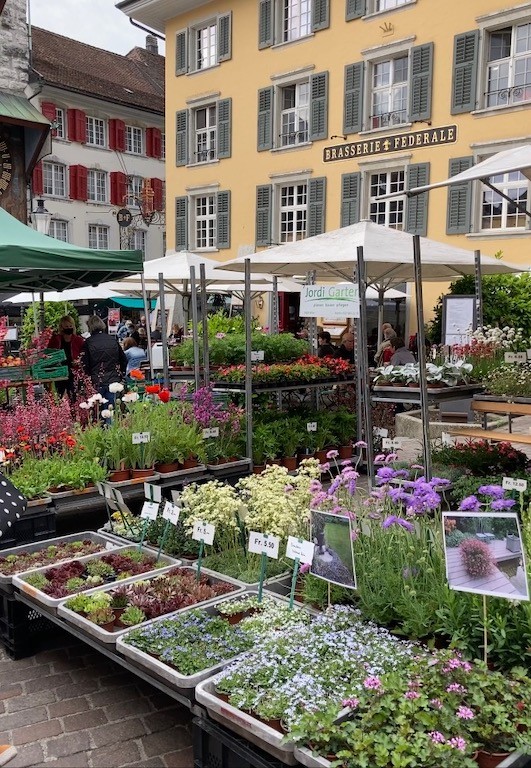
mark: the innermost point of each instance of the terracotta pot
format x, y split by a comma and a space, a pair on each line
290, 462
345, 451
274, 462
190, 463
136, 473
168, 466
107, 627
321, 456
302, 456
413, 385
119, 475
490, 759
117, 613
258, 469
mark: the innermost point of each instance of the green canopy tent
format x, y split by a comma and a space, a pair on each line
31, 261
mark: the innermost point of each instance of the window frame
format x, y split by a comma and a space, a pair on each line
97, 173
368, 198
371, 59
478, 202
101, 229
134, 190
54, 165
97, 123
135, 240
210, 219
279, 112
129, 141
210, 131
60, 122
280, 31
193, 32
162, 145
373, 5
389, 91
53, 225
487, 63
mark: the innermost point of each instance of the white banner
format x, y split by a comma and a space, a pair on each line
334, 302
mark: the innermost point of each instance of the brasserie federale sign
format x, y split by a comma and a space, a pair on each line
430, 137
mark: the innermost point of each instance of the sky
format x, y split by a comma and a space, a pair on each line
96, 22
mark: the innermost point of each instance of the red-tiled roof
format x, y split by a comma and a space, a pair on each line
136, 79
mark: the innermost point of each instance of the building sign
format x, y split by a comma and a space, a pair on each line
335, 302
384, 145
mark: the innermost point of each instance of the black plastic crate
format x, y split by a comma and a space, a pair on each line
215, 747
23, 630
35, 524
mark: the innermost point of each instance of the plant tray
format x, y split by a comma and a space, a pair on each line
134, 481
110, 638
258, 733
72, 492
57, 372
308, 758
228, 466
182, 473
51, 604
6, 582
217, 747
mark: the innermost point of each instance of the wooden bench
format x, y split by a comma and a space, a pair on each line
486, 434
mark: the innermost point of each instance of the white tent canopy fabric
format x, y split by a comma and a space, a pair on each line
73, 294
175, 267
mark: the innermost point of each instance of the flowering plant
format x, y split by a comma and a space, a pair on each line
476, 558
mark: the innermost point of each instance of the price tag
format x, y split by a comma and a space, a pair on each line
210, 432
514, 484
264, 542
447, 439
529, 354
521, 357
311, 426
136, 438
149, 510
258, 356
388, 444
204, 532
381, 432
152, 492
171, 512
510, 357
299, 549
146, 437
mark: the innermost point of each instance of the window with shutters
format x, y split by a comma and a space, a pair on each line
134, 191
293, 212
508, 74
139, 241
59, 230
499, 213
389, 93
60, 128
96, 132
204, 42
98, 236
204, 221
204, 45
53, 175
204, 138
134, 140
295, 18
97, 186
388, 5
389, 213
294, 113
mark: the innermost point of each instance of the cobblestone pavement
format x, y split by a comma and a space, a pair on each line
71, 706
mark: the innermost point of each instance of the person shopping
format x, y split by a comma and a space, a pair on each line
134, 354
68, 340
103, 358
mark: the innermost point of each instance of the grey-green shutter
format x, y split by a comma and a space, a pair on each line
265, 23
421, 82
181, 134
181, 55
319, 106
353, 104
464, 80
316, 206
223, 219
459, 208
224, 128
265, 119
225, 37
320, 15
181, 223
355, 9
264, 199
350, 198
417, 207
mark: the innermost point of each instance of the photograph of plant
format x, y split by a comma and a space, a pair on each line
485, 555
333, 558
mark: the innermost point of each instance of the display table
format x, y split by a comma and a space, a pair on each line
411, 395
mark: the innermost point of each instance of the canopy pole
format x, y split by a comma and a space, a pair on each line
248, 362
195, 335
204, 324
421, 353
479, 290
381, 299
35, 318
164, 333
148, 325
364, 366
274, 306
312, 322
42, 312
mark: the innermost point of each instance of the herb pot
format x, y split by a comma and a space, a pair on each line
345, 451
290, 462
169, 466
135, 473
117, 613
321, 456
258, 469
413, 385
119, 475
108, 627
190, 463
490, 759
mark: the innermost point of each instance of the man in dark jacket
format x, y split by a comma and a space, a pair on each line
103, 358
325, 347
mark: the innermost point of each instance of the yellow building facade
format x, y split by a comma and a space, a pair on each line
286, 118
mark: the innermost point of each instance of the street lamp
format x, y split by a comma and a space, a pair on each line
41, 218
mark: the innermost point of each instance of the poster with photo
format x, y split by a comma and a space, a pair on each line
485, 554
333, 556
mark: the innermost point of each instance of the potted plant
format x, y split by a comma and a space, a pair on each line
131, 616
119, 603
289, 442
477, 558
344, 429
103, 617
264, 446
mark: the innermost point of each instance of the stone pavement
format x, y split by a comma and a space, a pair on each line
71, 706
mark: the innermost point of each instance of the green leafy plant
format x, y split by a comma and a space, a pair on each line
101, 616
132, 615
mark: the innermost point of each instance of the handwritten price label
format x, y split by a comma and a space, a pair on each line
381, 432
514, 484
152, 492
391, 445
210, 432
141, 437
204, 532
311, 426
149, 510
264, 542
171, 512
299, 549
258, 356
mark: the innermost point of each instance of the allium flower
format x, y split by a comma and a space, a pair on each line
372, 683
116, 387
465, 713
470, 504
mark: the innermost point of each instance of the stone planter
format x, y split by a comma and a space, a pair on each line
512, 543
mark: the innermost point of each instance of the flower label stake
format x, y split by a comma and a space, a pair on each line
170, 513
302, 552
266, 545
513, 484
204, 534
150, 508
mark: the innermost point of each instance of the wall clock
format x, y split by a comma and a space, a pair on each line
6, 166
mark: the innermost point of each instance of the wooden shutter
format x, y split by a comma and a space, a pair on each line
181, 54
319, 106
355, 9
78, 182
225, 37
71, 124
320, 15
417, 207
265, 23
81, 126
223, 219
265, 119
117, 135
181, 119
49, 110
181, 223
157, 142
464, 80
316, 206
118, 188
353, 104
264, 199
421, 82
149, 142
459, 206
38, 180
224, 138
157, 187
350, 198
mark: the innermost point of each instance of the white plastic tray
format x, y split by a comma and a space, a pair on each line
258, 733
308, 758
110, 638
52, 603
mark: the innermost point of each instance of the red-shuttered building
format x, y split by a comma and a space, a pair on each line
107, 112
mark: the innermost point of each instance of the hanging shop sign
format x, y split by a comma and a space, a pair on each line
331, 301
384, 145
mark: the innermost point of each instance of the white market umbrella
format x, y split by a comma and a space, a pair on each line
175, 267
73, 294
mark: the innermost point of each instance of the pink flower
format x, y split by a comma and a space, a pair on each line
457, 743
465, 713
332, 454
455, 688
220, 335
372, 683
412, 695
351, 703
436, 703
437, 737
324, 467
360, 444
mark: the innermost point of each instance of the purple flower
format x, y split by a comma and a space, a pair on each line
324, 467
455, 688
437, 737
436, 703
412, 695
391, 457
458, 743
496, 491
372, 683
409, 573
384, 474
498, 505
379, 458
394, 520
220, 335
465, 713
305, 567
315, 485
351, 703
360, 444
470, 504
332, 454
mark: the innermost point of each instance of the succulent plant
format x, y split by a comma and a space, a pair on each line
132, 615
101, 616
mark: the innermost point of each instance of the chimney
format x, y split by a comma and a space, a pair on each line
151, 44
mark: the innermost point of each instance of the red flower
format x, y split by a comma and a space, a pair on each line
153, 389
164, 395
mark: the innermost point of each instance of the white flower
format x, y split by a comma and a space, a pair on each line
84, 406
116, 387
97, 398
106, 414
130, 397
